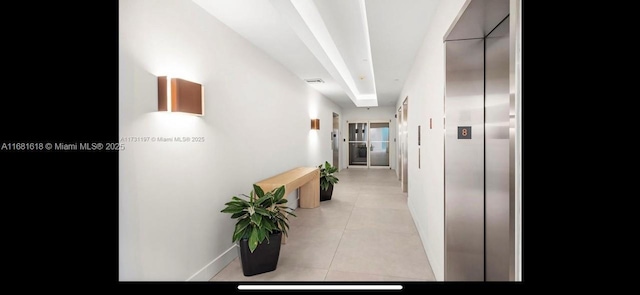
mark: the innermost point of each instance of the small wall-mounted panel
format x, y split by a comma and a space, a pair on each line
186, 96
315, 124
162, 94
180, 96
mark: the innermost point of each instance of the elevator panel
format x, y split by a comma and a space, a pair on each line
464, 161
497, 153
405, 145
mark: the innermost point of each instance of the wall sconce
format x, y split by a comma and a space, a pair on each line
315, 124
180, 96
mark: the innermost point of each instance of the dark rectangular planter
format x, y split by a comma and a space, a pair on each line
264, 258
326, 195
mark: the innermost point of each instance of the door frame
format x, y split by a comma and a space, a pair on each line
349, 145
404, 144
338, 135
368, 144
397, 141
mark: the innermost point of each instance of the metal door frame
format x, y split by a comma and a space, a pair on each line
398, 146
404, 140
338, 136
349, 145
367, 143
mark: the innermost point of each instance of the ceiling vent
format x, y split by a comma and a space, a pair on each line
314, 81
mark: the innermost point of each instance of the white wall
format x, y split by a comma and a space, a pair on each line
256, 124
425, 89
367, 114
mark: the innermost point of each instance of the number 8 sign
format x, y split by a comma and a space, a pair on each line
464, 132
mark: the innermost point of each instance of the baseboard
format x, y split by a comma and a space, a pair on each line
215, 266
434, 266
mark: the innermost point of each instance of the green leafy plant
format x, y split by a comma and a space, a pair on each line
326, 175
259, 215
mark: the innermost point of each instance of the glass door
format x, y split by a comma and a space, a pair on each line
358, 155
369, 144
379, 144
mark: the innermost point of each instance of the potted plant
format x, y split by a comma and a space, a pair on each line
262, 216
327, 180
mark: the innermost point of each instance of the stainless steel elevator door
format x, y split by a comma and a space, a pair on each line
405, 145
464, 161
497, 153
398, 143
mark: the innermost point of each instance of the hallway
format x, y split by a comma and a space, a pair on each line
365, 233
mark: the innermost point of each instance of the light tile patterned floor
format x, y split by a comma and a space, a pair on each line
364, 233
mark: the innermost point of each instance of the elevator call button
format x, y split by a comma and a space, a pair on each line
464, 132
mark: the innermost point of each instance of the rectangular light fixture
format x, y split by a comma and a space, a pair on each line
315, 124
178, 95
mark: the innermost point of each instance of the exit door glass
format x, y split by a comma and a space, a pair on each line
379, 144
358, 144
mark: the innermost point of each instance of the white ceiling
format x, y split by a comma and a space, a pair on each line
358, 57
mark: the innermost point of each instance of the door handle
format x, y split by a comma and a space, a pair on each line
371, 148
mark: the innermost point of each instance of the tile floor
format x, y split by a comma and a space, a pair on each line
364, 233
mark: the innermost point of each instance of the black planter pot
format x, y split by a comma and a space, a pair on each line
326, 195
264, 258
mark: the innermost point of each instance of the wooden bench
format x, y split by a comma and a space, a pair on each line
305, 178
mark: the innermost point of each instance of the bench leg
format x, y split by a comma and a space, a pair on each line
310, 194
